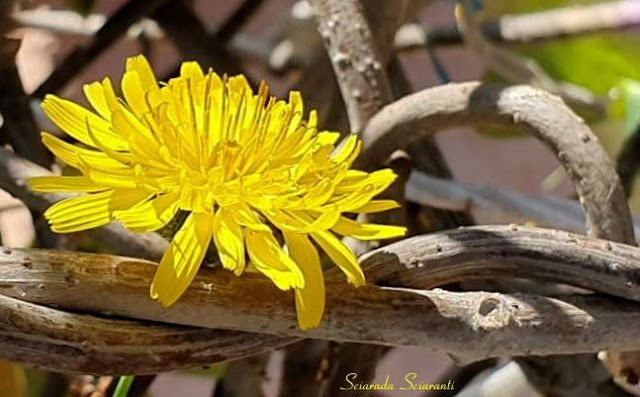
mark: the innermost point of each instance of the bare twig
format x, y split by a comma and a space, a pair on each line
358, 68
195, 42
19, 129
532, 111
358, 61
114, 28
629, 161
18, 125
498, 205
523, 108
518, 70
573, 21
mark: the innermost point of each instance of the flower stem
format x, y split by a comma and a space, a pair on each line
124, 383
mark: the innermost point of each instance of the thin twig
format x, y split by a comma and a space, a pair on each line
629, 161
495, 205
359, 62
113, 29
574, 21
519, 70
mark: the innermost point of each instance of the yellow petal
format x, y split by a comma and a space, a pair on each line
310, 299
72, 154
367, 231
140, 65
191, 71
63, 184
13, 381
151, 215
348, 149
245, 216
182, 260
374, 206
341, 255
133, 93
94, 93
327, 138
269, 258
144, 145
73, 119
93, 210
229, 240
117, 179
305, 221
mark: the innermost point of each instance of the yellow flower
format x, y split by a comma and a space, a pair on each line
253, 176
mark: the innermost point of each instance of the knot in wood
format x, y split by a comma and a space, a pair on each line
493, 313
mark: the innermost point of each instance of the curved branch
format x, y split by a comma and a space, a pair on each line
487, 252
473, 325
526, 109
63, 342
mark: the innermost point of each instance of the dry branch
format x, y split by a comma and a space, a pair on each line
548, 119
573, 21
353, 53
64, 342
525, 109
471, 325
359, 62
113, 29
496, 205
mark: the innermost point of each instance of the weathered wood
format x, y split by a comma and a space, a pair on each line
498, 205
359, 62
64, 342
471, 325
545, 117
353, 53
574, 21
526, 109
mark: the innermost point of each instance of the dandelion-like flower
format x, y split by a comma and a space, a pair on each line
253, 176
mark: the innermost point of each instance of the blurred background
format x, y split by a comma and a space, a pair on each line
65, 44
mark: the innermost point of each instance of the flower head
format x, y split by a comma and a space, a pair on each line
253, 176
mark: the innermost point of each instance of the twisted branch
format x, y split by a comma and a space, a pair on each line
64, 342
471, 325
548, 119
526, 109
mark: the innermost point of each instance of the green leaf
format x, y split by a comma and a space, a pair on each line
628, 105
123, 386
